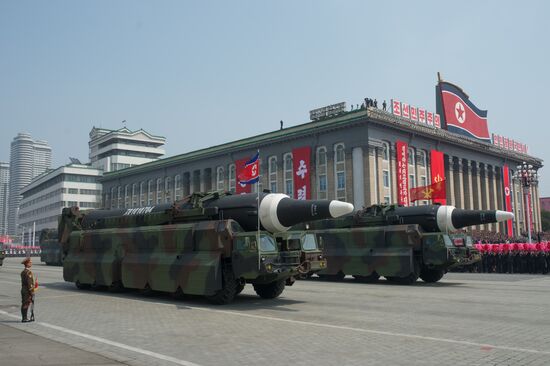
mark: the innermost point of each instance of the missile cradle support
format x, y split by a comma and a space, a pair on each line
206, 244
398, 243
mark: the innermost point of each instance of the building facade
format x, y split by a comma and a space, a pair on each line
4, 194
43, 199
112, 150
352, 158
28, 159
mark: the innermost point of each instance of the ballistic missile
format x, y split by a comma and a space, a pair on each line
445, 218
275, 212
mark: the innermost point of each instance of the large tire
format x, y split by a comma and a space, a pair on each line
82, 286
431, 275
228, 291
333, 277
240, 288
373, 277
270, 290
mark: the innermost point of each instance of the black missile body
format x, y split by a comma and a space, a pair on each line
432, 218
277, 212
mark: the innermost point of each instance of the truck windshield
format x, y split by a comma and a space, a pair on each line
309, 242
267, 244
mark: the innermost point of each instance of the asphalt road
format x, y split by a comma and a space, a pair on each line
466, 319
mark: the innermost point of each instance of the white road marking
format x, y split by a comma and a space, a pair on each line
111, 343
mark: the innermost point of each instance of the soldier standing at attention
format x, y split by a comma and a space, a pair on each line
27, 289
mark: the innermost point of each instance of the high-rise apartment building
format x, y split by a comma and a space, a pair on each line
28, 159
4, 193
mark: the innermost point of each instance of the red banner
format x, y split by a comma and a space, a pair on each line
239, 168
438, 171
431, 192
301, 159
402, 150
507, 198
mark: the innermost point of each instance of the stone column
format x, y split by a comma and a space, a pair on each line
469, 194
494, 195
450, 182
459, 183
486, 193
380, 177
477, 189
372, 194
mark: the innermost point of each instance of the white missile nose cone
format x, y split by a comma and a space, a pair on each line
339, 208
503, 216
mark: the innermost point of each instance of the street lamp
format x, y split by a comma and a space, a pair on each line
527, 177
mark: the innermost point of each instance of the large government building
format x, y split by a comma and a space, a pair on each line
349, 156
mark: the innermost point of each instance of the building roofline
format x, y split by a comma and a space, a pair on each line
41, 178
346, 119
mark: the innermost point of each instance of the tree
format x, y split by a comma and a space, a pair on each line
545, 219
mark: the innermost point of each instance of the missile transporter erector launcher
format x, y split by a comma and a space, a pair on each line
399, 243
50, 248
206, 244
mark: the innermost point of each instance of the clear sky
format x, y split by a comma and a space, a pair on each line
203, 73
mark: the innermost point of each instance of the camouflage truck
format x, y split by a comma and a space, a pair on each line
50, 248
399, 243
2, 253
206, 244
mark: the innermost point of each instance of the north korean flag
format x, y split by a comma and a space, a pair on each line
251, 171
460, 114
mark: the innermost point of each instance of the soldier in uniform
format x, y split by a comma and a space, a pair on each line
27, 289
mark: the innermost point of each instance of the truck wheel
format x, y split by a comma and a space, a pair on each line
270, 290
373, 277
81, 286
240, 288
431, 275
228, 291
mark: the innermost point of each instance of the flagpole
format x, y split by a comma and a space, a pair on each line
258, 209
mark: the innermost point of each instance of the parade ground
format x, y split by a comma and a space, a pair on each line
466, 319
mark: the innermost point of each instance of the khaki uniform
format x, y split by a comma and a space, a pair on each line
27, 288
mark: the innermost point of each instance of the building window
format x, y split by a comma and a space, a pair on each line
386, 178
177, 187
385, 151
422, 158
168, 189
232, 179
159, 191
411, 156
119, 197
340, 171
134, 195
113, 198
142, 194
220, 179
387, 200
288, 173
149, 193
73, 190
126, 196
321, 173
272, 168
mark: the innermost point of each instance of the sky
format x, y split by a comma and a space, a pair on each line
203, 73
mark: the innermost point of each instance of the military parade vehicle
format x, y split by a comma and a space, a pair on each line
50, 248
399, 243
206, 244
2, 253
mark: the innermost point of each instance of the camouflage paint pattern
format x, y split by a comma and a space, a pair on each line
2, 253
191, 258
50, 248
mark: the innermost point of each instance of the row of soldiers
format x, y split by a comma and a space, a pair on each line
514, 258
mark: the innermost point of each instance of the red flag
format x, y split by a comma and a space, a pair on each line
460, 114
432, 192
438, 171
